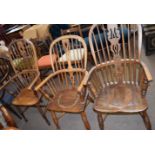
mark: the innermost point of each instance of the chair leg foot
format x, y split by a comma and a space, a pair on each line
100, 121
85, 120
55, 119
42, 114
146, 120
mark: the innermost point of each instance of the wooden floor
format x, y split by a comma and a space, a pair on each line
113, 122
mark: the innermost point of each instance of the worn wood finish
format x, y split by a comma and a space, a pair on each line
6, 119
119, 81
24, 61
64, 89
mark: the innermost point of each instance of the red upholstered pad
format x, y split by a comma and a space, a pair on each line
45, 61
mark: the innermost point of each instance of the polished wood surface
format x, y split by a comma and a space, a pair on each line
119, 81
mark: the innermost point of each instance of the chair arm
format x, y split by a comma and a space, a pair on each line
34, 81
83, 82
147, 72
12, 79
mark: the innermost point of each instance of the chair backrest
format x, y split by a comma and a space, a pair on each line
117, 48
23, 55
68, 52
5, 69
108, 40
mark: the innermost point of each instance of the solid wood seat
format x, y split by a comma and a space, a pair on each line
120, 98
67, 101
26, 97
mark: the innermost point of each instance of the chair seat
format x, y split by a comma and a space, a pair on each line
120, 98
45, 62
26, 97
67, 101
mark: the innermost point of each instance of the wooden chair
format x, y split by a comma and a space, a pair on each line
6, 120
64, 87
118, 82
24, 61
6, 72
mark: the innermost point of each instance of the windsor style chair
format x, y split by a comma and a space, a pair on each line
6, 72
119, 80
64, 87
24, 62
6, 120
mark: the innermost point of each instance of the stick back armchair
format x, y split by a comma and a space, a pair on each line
64, 87
119, 80
24, 62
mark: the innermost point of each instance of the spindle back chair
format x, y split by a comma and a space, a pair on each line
119, 80
64, 89
20, 86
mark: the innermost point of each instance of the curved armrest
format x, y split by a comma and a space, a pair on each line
83, 82
12, 80
147, 72
34, 81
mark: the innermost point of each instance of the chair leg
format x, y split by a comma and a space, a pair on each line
42, 114
12, 110
146, 120
101, 118
85, 120
55, 119
100, 121
22, 114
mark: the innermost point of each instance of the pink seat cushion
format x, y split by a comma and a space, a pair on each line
45, 61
